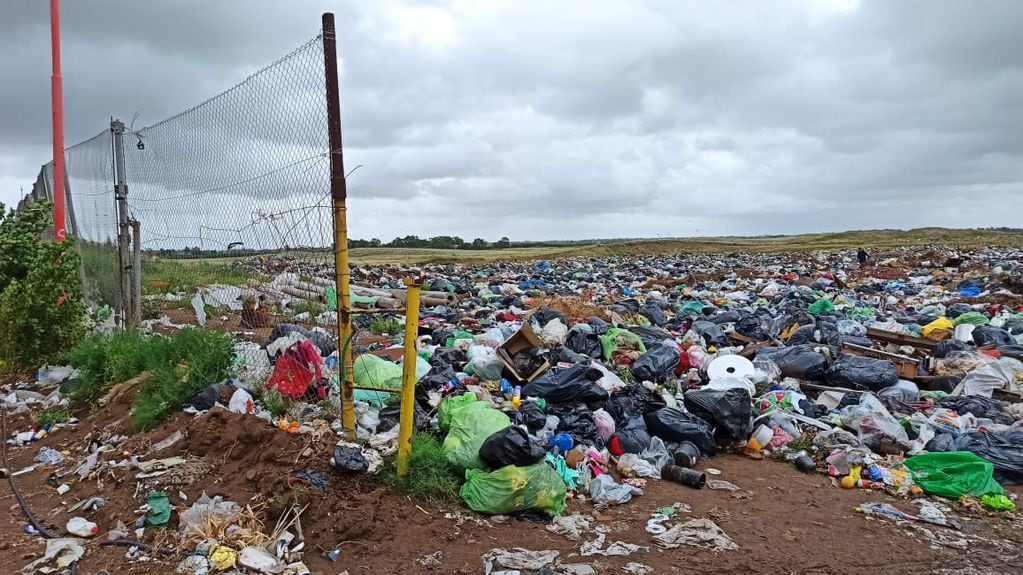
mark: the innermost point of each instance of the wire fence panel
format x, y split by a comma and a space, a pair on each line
236, 190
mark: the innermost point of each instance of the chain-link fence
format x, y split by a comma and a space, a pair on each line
229, 199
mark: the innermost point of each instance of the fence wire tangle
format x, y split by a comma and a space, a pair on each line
228, 195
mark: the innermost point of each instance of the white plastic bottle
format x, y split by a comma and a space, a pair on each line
81, 527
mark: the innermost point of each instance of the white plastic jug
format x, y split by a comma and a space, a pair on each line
81, 527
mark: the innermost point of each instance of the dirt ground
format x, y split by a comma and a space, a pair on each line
782, 521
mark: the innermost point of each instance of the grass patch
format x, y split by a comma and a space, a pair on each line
160, 276
385, 325
431, 477
275, 403
52, 416
181, 365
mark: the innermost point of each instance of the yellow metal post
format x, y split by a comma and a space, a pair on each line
339, 197
408, 375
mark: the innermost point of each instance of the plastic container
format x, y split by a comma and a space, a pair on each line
81, 527
686, 455
761, 437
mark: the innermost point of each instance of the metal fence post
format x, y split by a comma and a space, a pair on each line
339, 195
406, 417
123, 233
136, 269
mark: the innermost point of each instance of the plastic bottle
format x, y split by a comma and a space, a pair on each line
516, 400
81, 527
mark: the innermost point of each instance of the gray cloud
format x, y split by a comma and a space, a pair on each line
561, 120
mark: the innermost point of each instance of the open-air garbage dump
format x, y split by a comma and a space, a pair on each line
585, 415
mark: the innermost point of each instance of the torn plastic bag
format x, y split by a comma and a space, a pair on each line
510, 446
470, 426
544, 315
452, 405
616, 338
562, 354
587, 344
947, 346
653, 313
348, 458
512, 489
296, 369
749, 325
657, 364
903, 391
567, 385
729, 411
800, 361
1004, 450
530, 415
711, 333
1005, 374
877, 428
554, 333
391, 416
208, 397
599, 326
605, 424
448, 356
856, 372
529, 360
319, 338
437, 377
577, 421
651, 336
604, 491
484, 363
631, 402
673, 424
990, 335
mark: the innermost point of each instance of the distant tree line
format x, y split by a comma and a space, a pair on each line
436, 242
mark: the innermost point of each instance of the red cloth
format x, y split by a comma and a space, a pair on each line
297, 368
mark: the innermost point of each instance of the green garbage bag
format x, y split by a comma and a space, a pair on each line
512, 489
953, 474
161, 509
331, 295
470, 427
373, 371
452, 404
609, 342
821, 306
972, 317
691, 308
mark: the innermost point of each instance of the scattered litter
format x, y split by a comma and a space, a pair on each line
719, 484
518, 558
615, 548
61, 551
571, 526
697, 533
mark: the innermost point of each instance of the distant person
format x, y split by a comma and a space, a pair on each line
861, 256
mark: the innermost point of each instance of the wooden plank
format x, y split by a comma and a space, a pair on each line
899, 339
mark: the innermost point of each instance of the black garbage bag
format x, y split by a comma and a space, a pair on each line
855, 372
941, 443
510, 446
991, 335
728, 410
567, 385
630, 305
632, 402
657, 364
711, 333
957, 309
577, 421
1004, 450
562, 354
529, 360
799, 361
391, 416
320, 340
531, 415
349, 459
207, 397
732, 316
654, 314
544, 315
633, 437
1013, 351
947, 346
750, 326
1014, 325
441, 336
825, 332
587, 344
437, 377
977, 405
651, 336
673, 424
600, 326
802, 336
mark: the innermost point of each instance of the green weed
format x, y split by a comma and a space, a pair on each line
52, 416
303, 306
275, 403
161, 276
430, 476
385, 325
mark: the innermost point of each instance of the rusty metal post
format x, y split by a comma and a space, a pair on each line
123, 234
136, 272
339, 195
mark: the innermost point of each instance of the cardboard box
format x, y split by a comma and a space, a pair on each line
523, 339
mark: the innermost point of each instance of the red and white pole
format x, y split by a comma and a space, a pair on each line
57, 89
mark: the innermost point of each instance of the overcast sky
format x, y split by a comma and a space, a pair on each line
567, 120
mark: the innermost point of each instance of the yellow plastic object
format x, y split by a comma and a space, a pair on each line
223, 558
942, 323
847, 482
408, 376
